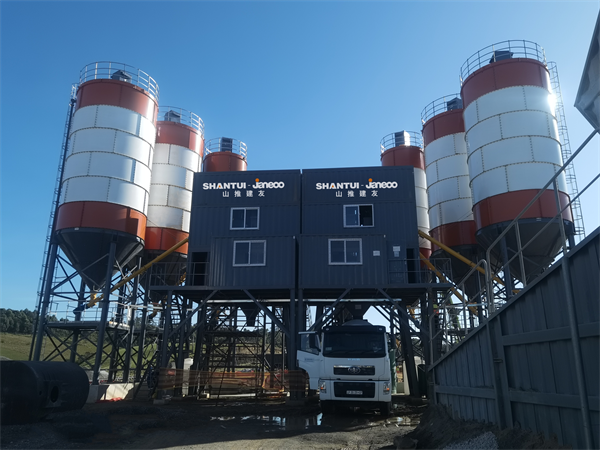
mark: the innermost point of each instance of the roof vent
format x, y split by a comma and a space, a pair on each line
455, 103
172, 116
499, 55
121, 76
226, 144
401, 138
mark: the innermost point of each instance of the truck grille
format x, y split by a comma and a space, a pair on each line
354, 370
354, 390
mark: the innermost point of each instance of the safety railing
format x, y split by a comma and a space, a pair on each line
120, 72
401, 138
406, 271
66, 311
456, 315
198, 275
440, 105
224, 144
500, 51
166, 274
449, 325
182, 116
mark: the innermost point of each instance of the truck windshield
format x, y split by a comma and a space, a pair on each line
359, 345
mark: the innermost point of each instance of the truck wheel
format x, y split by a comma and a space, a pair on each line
386, 409
327, 407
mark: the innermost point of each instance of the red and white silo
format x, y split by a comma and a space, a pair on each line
513, 150
405, 148
224, 155
448, 190
177, 156
106, 179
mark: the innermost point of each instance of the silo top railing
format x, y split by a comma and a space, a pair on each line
499, 51
223, 144
122, 72
440, 105
401, 138
182, 116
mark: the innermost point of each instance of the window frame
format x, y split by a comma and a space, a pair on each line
346, 263
357, 205
250, 242
245, 209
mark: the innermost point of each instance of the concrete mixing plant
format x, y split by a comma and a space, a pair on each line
188, 270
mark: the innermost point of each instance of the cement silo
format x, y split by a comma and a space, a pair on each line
224, 155
448, 190
513, 151
177, 156
106, 180
405, 148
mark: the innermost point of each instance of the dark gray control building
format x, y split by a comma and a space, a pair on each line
321, 231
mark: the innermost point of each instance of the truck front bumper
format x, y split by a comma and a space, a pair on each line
355, 391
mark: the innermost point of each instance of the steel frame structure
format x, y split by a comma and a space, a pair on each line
213, 315
65, 322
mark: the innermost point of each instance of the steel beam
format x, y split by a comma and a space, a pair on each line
271, 316
104, 315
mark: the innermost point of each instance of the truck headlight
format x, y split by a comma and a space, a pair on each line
322, 386
386, 387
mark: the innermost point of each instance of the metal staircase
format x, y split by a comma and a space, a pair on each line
52, 219
566, 154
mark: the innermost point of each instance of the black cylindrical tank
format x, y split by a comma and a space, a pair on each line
31, 390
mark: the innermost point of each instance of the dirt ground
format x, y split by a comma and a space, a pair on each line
204, 424
201, 424
437, 429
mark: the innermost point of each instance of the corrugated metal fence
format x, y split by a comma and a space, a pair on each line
521, 367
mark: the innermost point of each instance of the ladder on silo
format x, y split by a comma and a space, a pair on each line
566, 154
53, 209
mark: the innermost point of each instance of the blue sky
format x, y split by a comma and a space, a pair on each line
304, 84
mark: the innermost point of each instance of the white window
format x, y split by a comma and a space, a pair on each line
244, 218
345, 251
358, 216
249, 253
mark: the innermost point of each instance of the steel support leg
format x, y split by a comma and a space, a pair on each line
393, 354
272, 348
142, 340
77, 332
131, 323
293, 332
41, 329
105, 303
164, 350
508, 283
408, 354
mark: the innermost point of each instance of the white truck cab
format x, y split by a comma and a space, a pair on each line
348, 365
